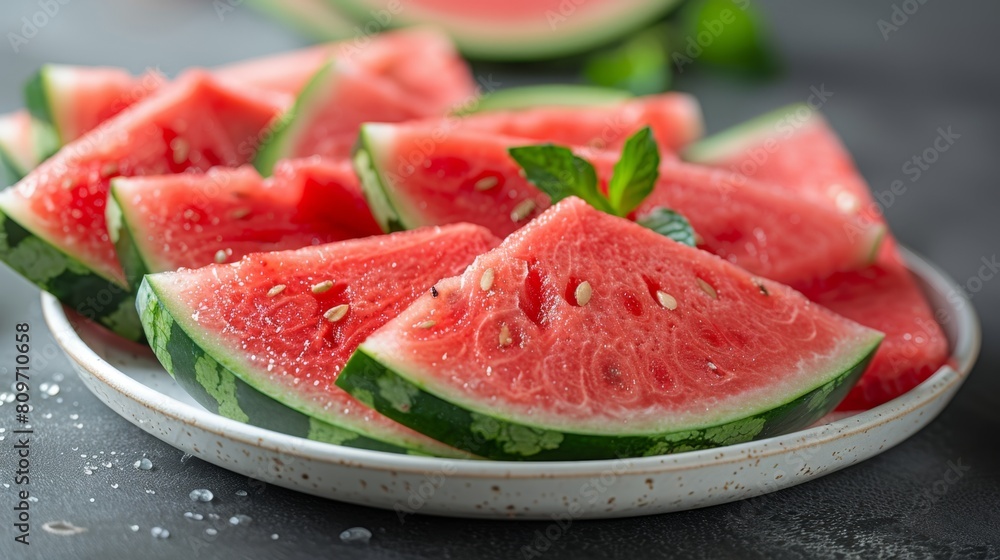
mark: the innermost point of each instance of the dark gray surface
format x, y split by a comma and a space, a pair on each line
939, 69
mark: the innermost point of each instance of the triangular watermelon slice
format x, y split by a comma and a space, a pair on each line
73, 100
674, 117
808, 159
189, 220
21, 148
378, 83
413, 178
53, 221
277, 327
586, 336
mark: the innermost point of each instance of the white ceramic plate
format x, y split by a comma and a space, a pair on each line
128, 378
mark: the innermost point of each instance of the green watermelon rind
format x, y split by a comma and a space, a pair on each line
38, 101
478, 430
73, 283
552, 44
735, 140
326, 25
120, 230
549, 95
285, 131
217, 384
373, 182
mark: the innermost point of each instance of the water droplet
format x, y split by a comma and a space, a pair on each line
134, 528
143, 464
240, 519
74, 416
91, 500
194, 516
201, 495
159, 533
63, 528
274, 536
148, 491
211, 532
185, 457
356, 535
114, 485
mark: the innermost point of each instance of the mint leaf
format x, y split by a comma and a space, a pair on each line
635, 173
670, 224
560, 174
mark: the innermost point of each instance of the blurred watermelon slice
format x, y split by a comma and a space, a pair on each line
514, 29
795, 149
52, 223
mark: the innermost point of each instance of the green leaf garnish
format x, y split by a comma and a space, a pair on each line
557, 172
725, 34
670, 224
635, 173
639, 65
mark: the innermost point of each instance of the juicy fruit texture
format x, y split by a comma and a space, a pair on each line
58, 210
778, 236
470, 177
796, 150
674, 117
809, 160
19, 149
190, 220
73, 100
585, 336
518, 29
284, 323
886, 297
377, 83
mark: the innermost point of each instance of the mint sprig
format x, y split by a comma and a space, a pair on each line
559, 173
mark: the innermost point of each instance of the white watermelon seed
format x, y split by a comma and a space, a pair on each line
322, 287
707, 288
180, 150
522, 210
486, 280
337, 313
583, 293
505, 338
426, 324
666, 300
240, 213
276, 290
486, 183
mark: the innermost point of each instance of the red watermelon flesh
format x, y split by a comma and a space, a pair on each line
663, 338
809, 159
285, 342
886, 297
78, 98
470, 177
194, 124
190, 220
674, 117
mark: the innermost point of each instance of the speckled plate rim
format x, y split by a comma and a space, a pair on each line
963, 330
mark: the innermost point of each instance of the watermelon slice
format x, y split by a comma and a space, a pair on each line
73, 100
167, 222
21, 150
808, 159
378, 83
516, 29
283, 324
585, 336
674, 117
53, 221
414, 177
